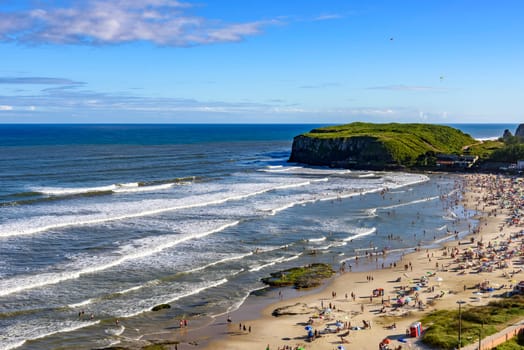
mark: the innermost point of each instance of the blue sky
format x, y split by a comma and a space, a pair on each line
261, 61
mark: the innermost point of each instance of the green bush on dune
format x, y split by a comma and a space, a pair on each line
442, 325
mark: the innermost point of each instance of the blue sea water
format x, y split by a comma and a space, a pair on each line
111, 220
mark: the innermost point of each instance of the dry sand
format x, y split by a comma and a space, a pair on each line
453, 285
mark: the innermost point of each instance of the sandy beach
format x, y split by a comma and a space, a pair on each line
346, 313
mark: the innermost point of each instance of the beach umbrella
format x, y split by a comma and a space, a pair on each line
339, 324
308, 328
340, 347
386, 341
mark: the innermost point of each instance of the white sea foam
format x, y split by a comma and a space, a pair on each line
125, 291
361, 232
301, 170
58, 191
294, 257
320, 239
104, 213
129, 290
172, 298
231, 258
270, 263
115, 188
365, 249
143, 188
115, 330
80, 304
367, 175
279, 169
273, 262
128, 252
238, 304
46, 223
411, 202
445, 238
235, 306
18, 334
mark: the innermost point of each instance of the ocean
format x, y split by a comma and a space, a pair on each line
100, 223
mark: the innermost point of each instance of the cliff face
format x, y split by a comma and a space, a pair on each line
520, 131
340, 152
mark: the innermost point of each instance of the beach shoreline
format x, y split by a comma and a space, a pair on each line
276, 333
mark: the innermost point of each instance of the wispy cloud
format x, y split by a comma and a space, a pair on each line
60, 103
62, 100
407, 88
98, 22
38, 81
327, 17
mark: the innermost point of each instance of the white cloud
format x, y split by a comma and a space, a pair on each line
6, 108
328, 17
163, 22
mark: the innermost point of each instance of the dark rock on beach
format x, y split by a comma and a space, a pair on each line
161, 307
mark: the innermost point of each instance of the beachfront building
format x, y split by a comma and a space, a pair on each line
455, 161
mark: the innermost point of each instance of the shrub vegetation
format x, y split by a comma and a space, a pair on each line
442, 325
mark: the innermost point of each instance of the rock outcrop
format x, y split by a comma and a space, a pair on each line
344, 152
378, 146
520, 131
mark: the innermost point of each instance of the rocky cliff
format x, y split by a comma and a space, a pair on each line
520, 131
345, 152
377, 146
